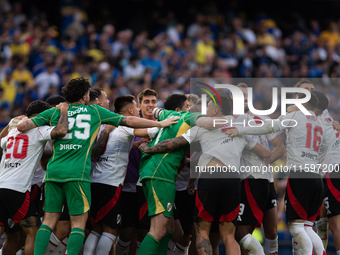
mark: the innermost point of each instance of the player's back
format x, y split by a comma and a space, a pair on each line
22, 153
303, 140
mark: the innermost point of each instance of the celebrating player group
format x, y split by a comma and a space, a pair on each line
76, 178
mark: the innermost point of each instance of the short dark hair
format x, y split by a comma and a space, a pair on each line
122, 101
303, 81
55, 100
323, 100
97, 90
175, 101
313, 101
226, 106
93, 95
75, 89
36, 107
146, 92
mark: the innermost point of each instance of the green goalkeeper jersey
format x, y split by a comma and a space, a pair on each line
164, 166
71, 155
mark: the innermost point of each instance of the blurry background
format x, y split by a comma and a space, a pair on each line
127, 46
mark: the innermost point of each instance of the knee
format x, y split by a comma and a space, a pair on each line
334, 225
62, 230
272, 234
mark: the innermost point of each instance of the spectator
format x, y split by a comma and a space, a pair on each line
47, 80
134, 70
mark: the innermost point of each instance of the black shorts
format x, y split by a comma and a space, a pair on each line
304, 197
218, 199
255, 196
332, 199
272, 199
185, 205
36, 199
129, 209
14, 207
105, 206
143, 217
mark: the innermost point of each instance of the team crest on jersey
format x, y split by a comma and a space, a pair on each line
169, 207
119, 218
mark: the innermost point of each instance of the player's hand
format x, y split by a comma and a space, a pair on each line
336, 125
231, 132
169, 122
144, 147
135, 145
191, 187
63, 106
292, 108
15, 121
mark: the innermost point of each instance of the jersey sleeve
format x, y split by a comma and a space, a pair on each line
44, 118
128, 130
192, 135
191, 117
3, 143
44, 133
152, 132
162, 114
108, 117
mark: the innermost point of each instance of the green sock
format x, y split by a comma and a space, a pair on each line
149, 246
75, 241
163, 244
41, 240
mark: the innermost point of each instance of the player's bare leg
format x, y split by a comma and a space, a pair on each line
202, 230
227, 231
215, 238
334, 225
177, 233
11, 242
30, 227
270, 231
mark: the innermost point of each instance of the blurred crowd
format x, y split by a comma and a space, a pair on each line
38, 58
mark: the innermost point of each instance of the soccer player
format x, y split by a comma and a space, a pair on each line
68, 172
22, 153
329, 156
304, 188
258, 195
110, 155
134, 205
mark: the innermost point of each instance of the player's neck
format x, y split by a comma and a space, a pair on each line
79, 102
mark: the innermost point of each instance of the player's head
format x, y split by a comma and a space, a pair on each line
126, 105
216, 109
305, 84
147, 100
244, 88
103, 101
55, 100
177, 102
93, 97
322, 103
192, 99
312, 103
77, 90
36, 107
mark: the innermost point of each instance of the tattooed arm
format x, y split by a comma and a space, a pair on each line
98, 148
62, 127
25, 124
164, 146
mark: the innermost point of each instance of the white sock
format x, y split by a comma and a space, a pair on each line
180, 249
251, 245
322, 228
171, 246
105, 244
52, 245
19, 252
91, 243
338, 252
302, 245
61, 249
316, 241
271, 247
122, 248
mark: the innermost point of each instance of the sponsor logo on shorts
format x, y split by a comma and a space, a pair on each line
169, 207
119, 218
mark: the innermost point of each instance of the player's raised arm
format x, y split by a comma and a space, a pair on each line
25, 124
62, 127
135, 122
100, 144
164, 146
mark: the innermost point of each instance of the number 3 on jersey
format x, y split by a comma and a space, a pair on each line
82, 127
